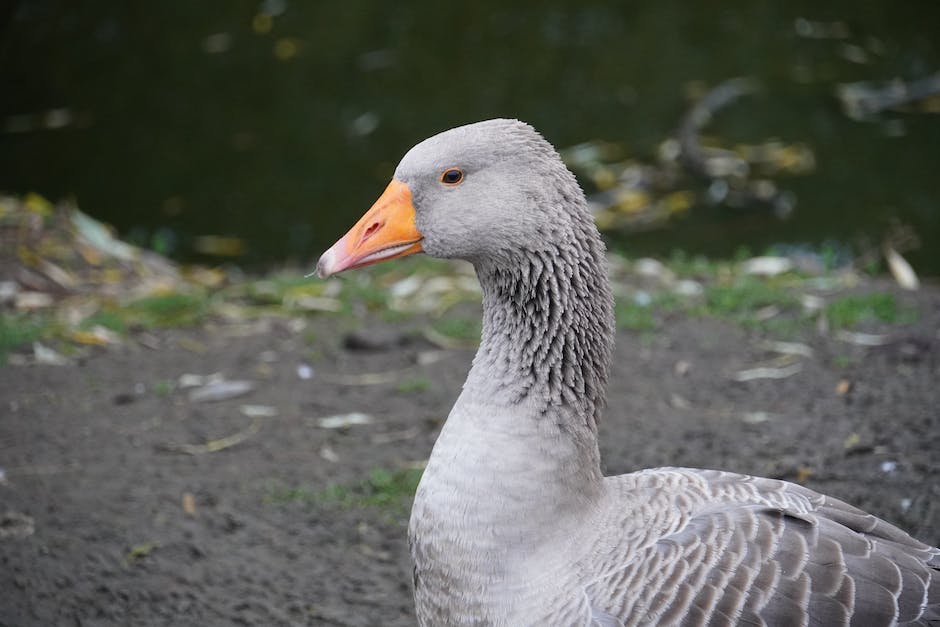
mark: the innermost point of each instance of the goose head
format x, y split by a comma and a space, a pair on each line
477, 192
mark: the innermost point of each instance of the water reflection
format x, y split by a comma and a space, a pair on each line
277, 122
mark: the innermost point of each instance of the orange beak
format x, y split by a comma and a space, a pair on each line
386, 231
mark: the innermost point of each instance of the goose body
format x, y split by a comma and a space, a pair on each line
513, 522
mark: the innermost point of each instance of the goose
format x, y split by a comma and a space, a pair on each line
513, 522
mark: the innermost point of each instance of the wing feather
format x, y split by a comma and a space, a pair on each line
754, 551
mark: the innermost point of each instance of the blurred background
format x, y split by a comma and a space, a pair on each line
259, 130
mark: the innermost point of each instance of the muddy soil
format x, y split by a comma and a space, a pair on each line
107, 518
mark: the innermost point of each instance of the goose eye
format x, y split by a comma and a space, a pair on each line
451, 176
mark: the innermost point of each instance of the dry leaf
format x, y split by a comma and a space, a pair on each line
901, 270
189, 503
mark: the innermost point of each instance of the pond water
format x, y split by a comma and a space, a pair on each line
278, 122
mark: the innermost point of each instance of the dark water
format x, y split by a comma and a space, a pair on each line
280, 121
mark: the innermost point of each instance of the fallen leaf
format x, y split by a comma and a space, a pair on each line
8, 291
33, 300
314, 303
139, 551
756, 417
788, 348
901, 270
214, 446
688, 288
189, 503
767, 266
191, 345
863, 339
682, 367
366, 378
220, 391
258, 411
327, 453
341, 421
97, 336
47, 356
679, 402
767, 373
803, 473
191, 380
852, 441
812, 302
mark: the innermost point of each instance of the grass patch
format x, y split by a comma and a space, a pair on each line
852, 310
634, 317
110, 320
283, 496
139, 551
280, 288
415, 384
163, 388
171, 310
642, 317
365, 292
17, 330
742, 298
842, 361
698, 267
383, 488
781, 327
459, 328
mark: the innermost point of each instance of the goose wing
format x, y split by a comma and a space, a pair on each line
818, 561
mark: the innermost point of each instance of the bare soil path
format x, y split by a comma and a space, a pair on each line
114, 510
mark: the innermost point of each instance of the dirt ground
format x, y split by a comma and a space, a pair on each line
106, 518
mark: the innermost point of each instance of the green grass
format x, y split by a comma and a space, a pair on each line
139, 551
781, 327
275, 289
842, 361
283, 496
383, 488
879, 307
363, 291
110, 319
644, 318
699, 267
745, 296
634, 317
19, 329
459, 328
163, 388
415, 384
171, 310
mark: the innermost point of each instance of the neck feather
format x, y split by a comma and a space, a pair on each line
548, 325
